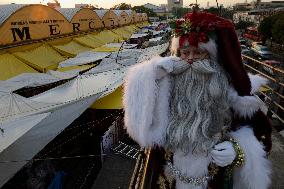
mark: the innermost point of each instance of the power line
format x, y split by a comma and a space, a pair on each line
54, 158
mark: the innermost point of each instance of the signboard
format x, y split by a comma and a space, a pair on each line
85, 20
33, 22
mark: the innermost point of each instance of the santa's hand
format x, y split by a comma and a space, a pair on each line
223, 154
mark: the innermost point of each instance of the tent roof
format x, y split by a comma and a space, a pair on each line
41, 58
123, 32
10, 66
129, 12
117, 12
106, 48
101, 13
18, 127
84, 58
108, 36
32, 80
71, 49
83, 86
90, 41
111, 101
7, 10
69, 12
75, 68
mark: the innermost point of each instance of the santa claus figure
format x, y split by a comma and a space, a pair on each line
199, 105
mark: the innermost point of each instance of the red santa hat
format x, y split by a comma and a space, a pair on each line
218, 36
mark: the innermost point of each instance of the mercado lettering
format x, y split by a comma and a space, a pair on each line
33, 22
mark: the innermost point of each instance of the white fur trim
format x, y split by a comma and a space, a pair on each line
192, 166
256, 82
256, 172
211, 47
146, 102
174, 46
243, 106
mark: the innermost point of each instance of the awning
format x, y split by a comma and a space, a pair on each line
17, 128
32, 80
107, 36
42, 58
111, 101
106, 48
84, 58
137, 35
124, 33
71, 49
75, 69
10, 66
89, 41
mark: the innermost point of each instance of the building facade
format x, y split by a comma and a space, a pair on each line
174, 3
258, 5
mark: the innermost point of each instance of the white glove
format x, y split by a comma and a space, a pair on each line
223, 154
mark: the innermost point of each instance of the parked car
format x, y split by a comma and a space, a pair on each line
261, 52
273, 63
244, 49
242, 41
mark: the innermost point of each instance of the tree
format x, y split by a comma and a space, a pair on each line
265, 29
122, 6
142, 9
93, 7
213, 10
241, 25
269, 24
223, 12
180, 12
241, 9
278, 29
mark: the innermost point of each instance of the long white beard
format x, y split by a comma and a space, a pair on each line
199, 108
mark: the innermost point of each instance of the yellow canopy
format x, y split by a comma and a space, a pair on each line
89, 41
10, 66
108, 36
111, 101
42, 58
74, 68
106, 49
264, 89
71, 49
131, 28
123, 32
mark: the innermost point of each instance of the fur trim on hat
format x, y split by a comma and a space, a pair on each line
210, 46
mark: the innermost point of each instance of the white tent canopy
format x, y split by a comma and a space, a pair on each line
84, 58
33, 80
13, 130
81, 87
31, 142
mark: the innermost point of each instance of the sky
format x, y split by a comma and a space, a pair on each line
110, 3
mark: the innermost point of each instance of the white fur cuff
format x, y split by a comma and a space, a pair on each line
256, 171
256, 82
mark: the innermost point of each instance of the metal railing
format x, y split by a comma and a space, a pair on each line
273, 95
